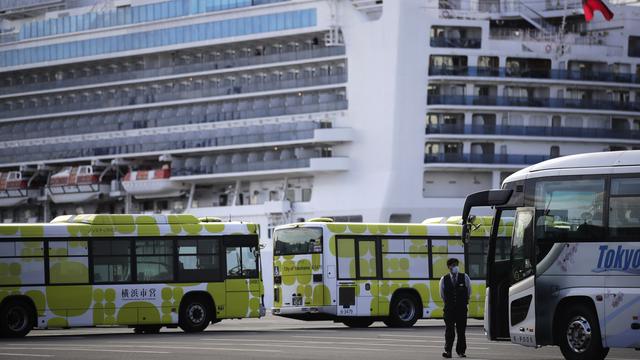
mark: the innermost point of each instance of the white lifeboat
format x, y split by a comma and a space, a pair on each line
76, 184
148, 184
14, 189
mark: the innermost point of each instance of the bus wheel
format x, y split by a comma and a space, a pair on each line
404, 311
579, 334
17, 318
358, 322
195, 314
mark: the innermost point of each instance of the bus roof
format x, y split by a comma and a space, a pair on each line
91, 225
572, 163
126, 219
441, 226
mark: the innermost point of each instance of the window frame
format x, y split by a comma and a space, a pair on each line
530, 201
241, 240
380, 253
608, 237
44, 257
235, 241
48, 257
131, 256
219, 276
172, 255
304, 253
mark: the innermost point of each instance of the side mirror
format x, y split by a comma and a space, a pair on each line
467, 229
482, 198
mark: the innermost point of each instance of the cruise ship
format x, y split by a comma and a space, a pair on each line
276, 111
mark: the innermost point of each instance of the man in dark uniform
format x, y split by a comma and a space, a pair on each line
455, 291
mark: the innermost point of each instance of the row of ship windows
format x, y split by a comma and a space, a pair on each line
170, 90
164, 142
164, 37
256, 160
485, 153
312, 101
163, 64
471, 37
489, 66
126, 15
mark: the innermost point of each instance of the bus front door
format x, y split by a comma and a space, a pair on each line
496, 319
522, 322
243, 286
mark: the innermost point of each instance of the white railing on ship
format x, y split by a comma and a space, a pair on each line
509, 6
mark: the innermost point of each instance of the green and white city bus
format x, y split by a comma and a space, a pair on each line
572, 277
358, 273
142, 271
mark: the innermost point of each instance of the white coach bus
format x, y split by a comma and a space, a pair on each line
572, 277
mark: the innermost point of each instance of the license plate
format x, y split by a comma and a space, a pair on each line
296, 301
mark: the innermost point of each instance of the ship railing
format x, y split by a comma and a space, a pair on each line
174, 70
175, 94
510, 159
469, 129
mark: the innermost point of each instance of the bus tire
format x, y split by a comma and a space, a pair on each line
358, 322
404, 311
195, 314
578, 334
17, 318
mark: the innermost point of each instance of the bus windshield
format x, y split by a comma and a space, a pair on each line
303, 240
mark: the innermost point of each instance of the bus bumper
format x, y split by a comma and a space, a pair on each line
305, 312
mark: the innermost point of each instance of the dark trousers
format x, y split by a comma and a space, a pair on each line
455, 320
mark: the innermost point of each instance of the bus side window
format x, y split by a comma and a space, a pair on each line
111, 260
198, 259
154, 260
477, 251
242, 262
624, 209
568, 210
68, 262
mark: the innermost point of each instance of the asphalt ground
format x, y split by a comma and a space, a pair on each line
270, 338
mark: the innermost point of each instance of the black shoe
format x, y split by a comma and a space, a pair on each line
462, 355
446, 355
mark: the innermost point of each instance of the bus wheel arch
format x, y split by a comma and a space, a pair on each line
23, 312
197, 311
576, 329
405, 308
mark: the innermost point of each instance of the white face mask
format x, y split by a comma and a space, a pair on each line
454, 270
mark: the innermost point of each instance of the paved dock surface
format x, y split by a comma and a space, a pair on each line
269, 338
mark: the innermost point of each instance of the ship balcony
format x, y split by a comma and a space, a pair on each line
48, 81
169, 94
534, 102
547, 74
457, 42
150, 142
539, 131
489, 160
198, 113
258, 166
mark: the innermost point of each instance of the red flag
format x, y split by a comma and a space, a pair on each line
590, 6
